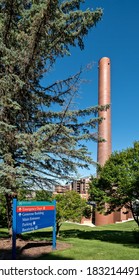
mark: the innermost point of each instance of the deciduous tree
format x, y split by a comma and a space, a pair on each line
118, 183
70, 207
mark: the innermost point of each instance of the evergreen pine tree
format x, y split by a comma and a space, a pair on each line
39, 145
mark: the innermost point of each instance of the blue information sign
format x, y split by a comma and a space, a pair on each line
33, 215
30, 221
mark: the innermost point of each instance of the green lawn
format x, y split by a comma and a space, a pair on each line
110, 242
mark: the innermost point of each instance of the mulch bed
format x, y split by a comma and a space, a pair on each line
27, 250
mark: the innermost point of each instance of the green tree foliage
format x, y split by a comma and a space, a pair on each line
43, 195
118, 183
40, 145
3, 214
69, 207
25, 194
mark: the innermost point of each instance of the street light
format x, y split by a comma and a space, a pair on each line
92, 203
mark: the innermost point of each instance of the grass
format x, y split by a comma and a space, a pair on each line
109, 242
3, 233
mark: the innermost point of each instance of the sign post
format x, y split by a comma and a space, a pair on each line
31, 216
14, 230
54, 229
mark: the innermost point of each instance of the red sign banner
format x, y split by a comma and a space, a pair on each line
33, 208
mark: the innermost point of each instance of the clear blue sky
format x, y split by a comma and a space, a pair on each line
117, 37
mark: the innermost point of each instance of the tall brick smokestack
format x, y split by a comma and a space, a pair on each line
104, 97
104, 128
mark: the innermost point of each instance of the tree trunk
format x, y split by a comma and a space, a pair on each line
9, 199
135, 216
58, 225
9, 211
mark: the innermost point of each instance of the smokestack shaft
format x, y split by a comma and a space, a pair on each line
104, 129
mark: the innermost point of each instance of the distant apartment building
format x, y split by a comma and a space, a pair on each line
59, 189
81, 186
